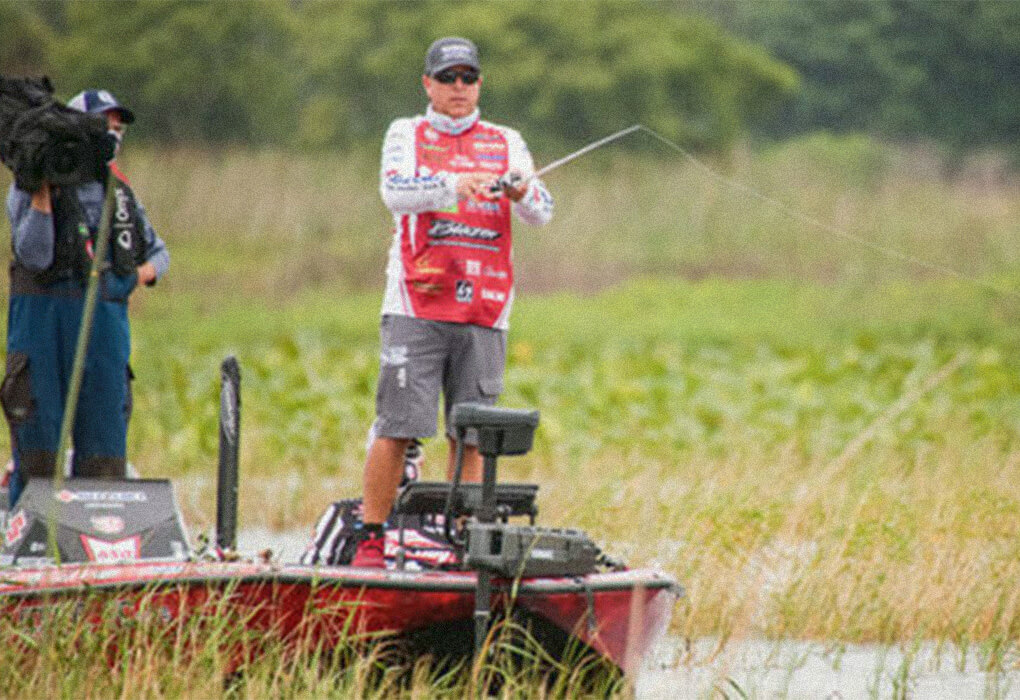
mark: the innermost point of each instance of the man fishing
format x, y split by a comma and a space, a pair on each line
53, 232
446, 177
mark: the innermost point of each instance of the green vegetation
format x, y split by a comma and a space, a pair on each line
902, 68
150, 648
746, 436
818, 441
324, 76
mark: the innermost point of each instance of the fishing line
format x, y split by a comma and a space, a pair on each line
780, 206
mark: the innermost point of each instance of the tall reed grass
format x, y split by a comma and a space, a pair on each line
98, 645
617, 216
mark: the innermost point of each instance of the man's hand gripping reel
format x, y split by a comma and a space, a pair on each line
507, 181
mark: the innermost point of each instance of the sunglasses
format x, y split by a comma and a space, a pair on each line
449, 76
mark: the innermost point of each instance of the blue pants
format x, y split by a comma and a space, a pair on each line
42, 334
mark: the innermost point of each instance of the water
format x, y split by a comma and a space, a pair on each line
286, 546
777, 668
794, 669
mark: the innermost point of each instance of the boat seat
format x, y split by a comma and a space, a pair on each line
501, 431
429, 498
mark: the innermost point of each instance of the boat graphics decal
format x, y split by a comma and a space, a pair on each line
67, 495
108, 552
15, 528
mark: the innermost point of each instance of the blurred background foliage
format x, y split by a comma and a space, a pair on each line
947, 70
323, 75
326, 75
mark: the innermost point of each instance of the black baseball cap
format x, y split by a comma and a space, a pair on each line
451, 51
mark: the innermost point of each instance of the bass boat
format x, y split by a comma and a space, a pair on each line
459, 557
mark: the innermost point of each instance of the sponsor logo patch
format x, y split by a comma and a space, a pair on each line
481, 205
493, 295
431, 134
393, 356
457, 52
490, 271
427, 288
472, 267
66, 496
445, 228
107, 552
121, 213
489, 145
15, 528
425, 266
465, 291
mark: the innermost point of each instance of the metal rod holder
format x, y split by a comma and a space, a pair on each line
230, 432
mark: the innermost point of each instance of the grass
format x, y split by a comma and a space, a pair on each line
152, 646
819, 442
321, 222
729, 454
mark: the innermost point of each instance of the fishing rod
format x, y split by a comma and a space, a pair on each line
515, 181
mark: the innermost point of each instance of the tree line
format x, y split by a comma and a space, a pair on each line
331, 75
944, 70
325, 75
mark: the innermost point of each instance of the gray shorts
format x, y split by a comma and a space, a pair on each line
420, 358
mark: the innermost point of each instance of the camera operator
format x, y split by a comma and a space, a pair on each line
53, 232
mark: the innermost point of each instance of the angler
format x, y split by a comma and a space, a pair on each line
449, 285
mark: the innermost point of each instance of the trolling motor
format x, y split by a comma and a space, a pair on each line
488, 543
493, 547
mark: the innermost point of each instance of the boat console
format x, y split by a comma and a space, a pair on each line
112, 521
94, 520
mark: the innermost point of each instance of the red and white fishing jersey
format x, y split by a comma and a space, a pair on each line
452, 260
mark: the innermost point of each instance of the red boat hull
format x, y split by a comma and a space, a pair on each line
620, 615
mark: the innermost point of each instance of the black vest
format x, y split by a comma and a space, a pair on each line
74, 242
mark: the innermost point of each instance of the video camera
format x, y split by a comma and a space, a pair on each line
44, 140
